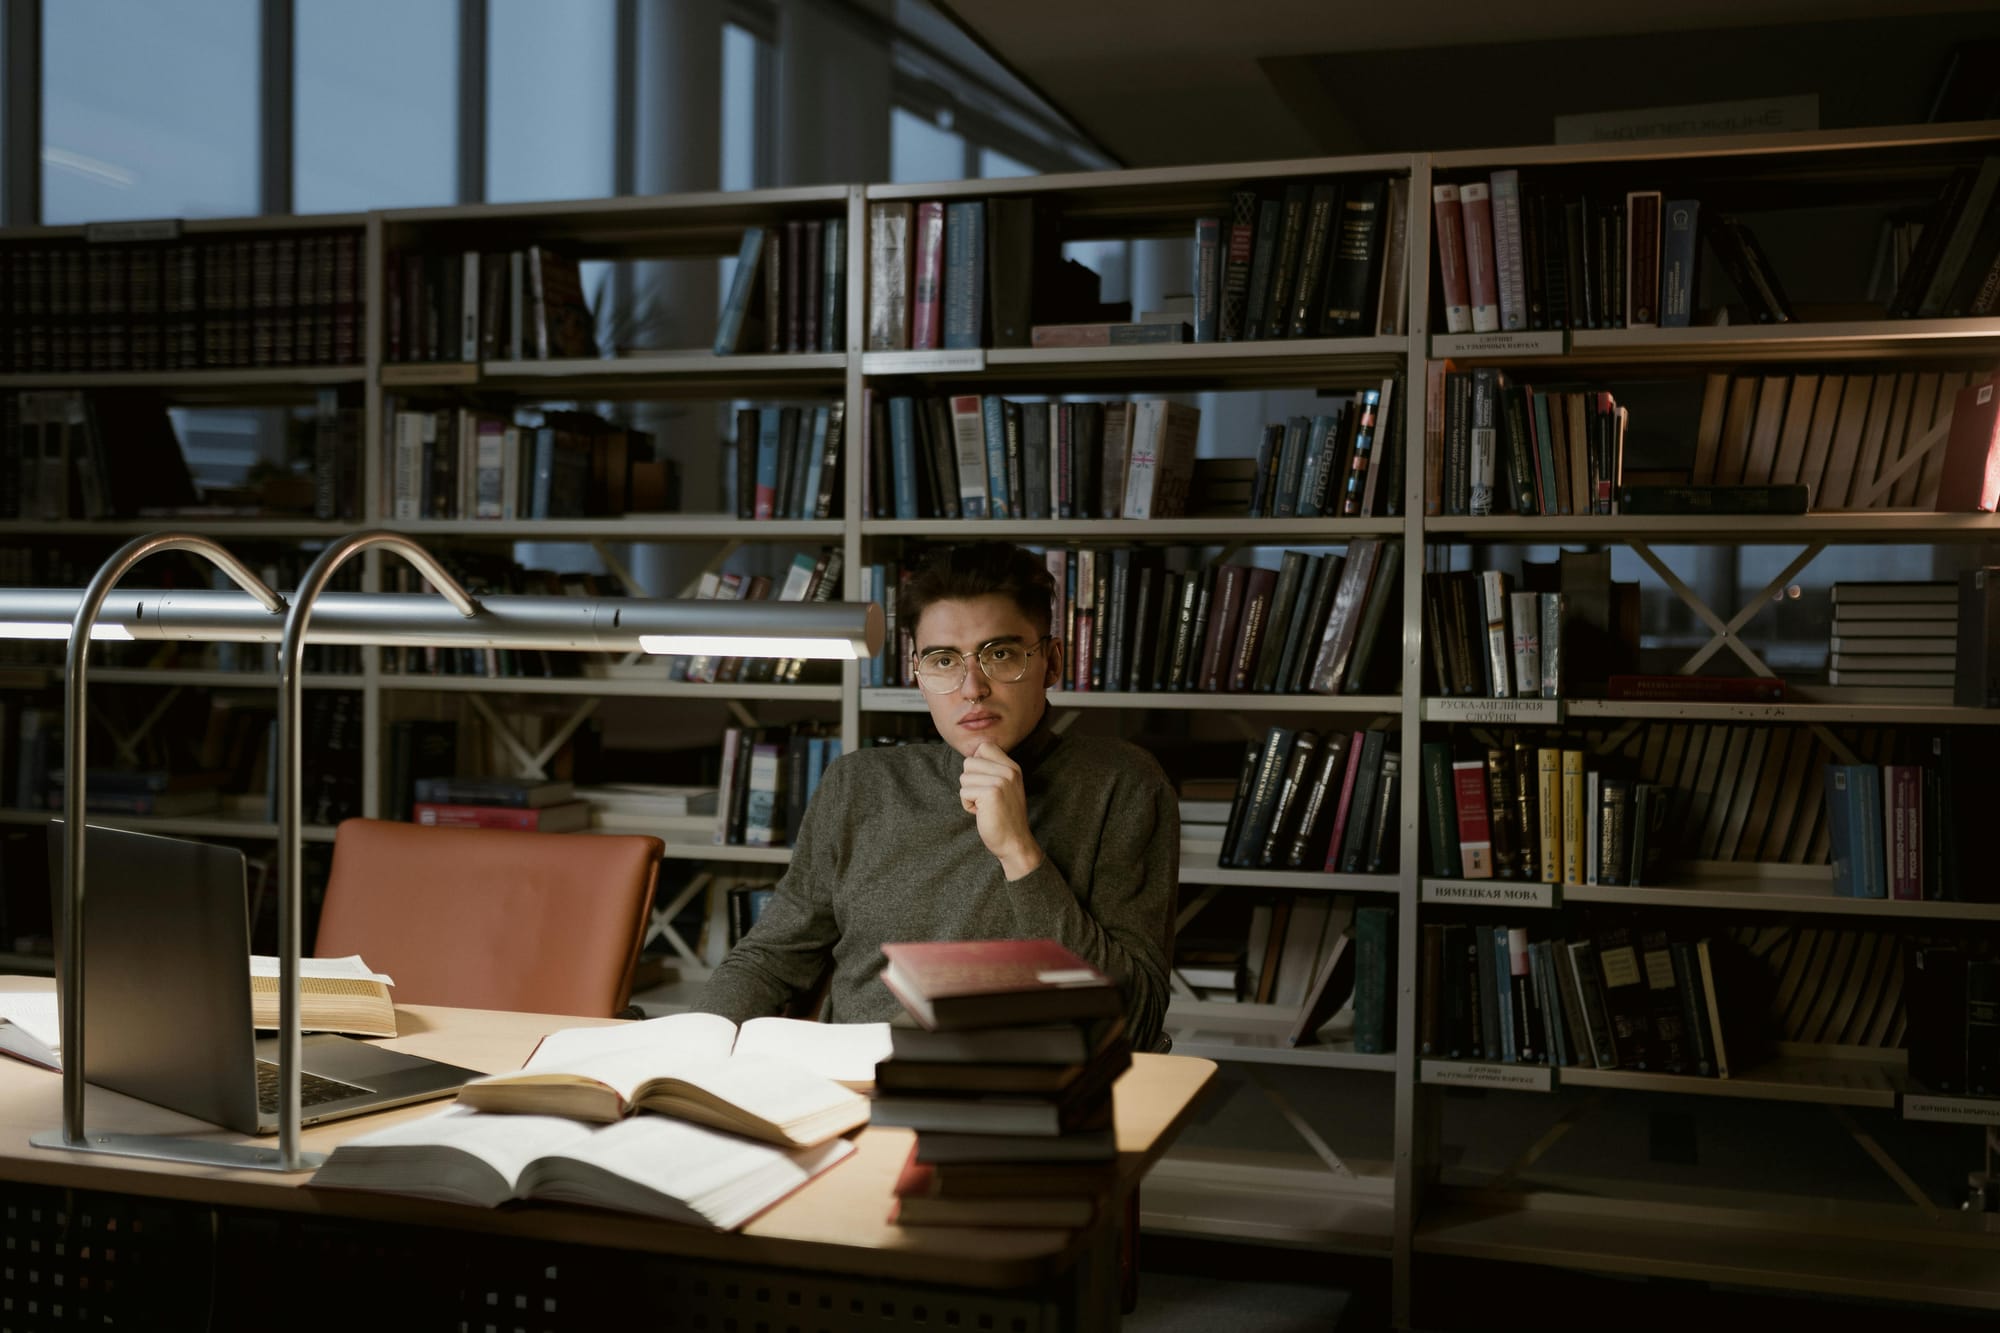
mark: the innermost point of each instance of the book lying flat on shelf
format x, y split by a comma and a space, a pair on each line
662, 1168
335, 995
995, 983
772, 1079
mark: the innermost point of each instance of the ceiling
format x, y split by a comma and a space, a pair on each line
1158, 82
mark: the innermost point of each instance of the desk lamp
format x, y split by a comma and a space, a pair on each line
450, 618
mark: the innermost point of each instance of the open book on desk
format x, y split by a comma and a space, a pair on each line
30, 1028
662, 1168
779, 1079
335, 995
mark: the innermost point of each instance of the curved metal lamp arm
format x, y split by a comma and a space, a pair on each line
74, 716
291, 869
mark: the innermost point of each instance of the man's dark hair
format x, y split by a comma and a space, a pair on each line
980, 569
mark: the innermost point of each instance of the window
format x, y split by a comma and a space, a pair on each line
921, 151
742, 60
993, 162
551, 100
149, 110
376, 104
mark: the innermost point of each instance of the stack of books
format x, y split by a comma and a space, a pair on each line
1902, 637
1007, 1083
152, 791
675, 813
529, 805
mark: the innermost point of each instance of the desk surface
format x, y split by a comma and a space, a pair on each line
835, 1224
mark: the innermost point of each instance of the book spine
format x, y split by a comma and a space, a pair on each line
927, 283
1501, 814
1440, 809
1477, 203
1357, 245
1642, 259
1507, 249
1483, 444
1207, 279
1303, 306
993, 426
833, 286
1549, 809
1475, 837
433, 813
1236, 265
1679, 243
1499, 642
1576, 831
965, 276
1256, 305
1553, 663
1448, 216
1527, 643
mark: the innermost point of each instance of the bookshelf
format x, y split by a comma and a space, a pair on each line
1413, 1202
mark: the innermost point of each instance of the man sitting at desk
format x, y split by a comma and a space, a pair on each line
1009, 830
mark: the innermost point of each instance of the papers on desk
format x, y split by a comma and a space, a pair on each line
30, 1028
649, 1164
780, 1080
335, 995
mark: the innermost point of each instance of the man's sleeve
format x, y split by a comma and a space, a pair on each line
787, 950
1126, 928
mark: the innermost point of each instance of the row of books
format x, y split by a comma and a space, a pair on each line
1952, 992
789, 290
1512, 257
1315, 955
1314, 625
1622, 995
809, 578
1503, 447
1332, 464
1852, 441
1902, 636
483, 571
1885, 830
464, 306
769, 775
1311, 800
788, 461
1007, 1081
1540, 814
1559, 625
1955, 267
214, 303
463, 463
983, 456
70, 454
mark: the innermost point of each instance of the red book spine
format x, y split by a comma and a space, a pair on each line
1475, 830
925, 325
1449, 215
1483, 283
477, 816
1085, 645
1339, 838
1903, 835
1712, 689
1970, 480
1224, 620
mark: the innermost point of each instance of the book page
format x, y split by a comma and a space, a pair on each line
768, 1089
350, 968
677, 1037
844, 1052
506, 1143
35, 1013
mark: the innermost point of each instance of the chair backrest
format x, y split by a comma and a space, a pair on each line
492, 919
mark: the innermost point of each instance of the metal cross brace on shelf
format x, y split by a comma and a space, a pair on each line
532, 763
1726, 633
128, 742
662, 923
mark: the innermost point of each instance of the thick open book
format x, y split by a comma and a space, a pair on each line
662, 1168
779, 1079
335, 995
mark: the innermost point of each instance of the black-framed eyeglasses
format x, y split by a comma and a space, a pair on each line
942, 670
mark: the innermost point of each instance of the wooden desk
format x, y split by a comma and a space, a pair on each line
834, 1227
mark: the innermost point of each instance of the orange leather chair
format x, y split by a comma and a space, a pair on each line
544, 923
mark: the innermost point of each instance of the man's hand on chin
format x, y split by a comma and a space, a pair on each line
992, 789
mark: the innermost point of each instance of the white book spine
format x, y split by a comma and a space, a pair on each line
968, 439
468, 303
489, 496
1510, 268
1484, 446
1476, 202
1149, 418
407, 491
1527, 627
1499, 649
1551, 645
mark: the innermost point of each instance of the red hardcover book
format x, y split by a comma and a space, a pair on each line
1903, 830
1339, 838
1642, 259
947, 985
1449, 216
1481, 279
1225, 618
1970, 481
565, 818
1258, 587
926, 326
1475, 829
1711, 689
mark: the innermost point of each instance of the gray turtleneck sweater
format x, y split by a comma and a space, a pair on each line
887, 853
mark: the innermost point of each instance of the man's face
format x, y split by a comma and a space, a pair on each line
982, 710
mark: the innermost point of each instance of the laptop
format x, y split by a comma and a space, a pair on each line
167, 994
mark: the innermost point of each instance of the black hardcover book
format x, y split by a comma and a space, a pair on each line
1166, 621
1035, 457
1086, 456
1457, 473
1204, 581
1263, 248
1670, 1039
1354, 273
1283, 597
1518, 447
1238, 238
1534, 280
1263, 797
1383, 842
1142, 589
1329, 479
1011, 263
1526, 809
940, 453
1934, 993
1239, 805
788, 449
1293, 783
1576, 264
805, 448
746, 463
1303, 315
1694, 1009
1389, 450
1017, 488
1384, 592
1361, 809
796, 752
1500, 800
1439, 681
1262, 489
1712, 499
1105, 626
1626, 999
1297, 665
1322, 800
1614, 836
881, 462
1284, 269
1192, 593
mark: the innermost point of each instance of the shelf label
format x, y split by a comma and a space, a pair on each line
963, 360
1490, 893
139, 229
1544, 342
1952, 1110
1468, 1074
1499, 712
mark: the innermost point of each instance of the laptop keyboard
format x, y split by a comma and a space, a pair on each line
314, 1089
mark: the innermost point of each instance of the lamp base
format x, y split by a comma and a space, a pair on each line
166, 1148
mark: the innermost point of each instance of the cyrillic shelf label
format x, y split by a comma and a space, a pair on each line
1499, 712
139, 229
964, 360
1490, 893
1953, 1110
1547, 342
1472, 1074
